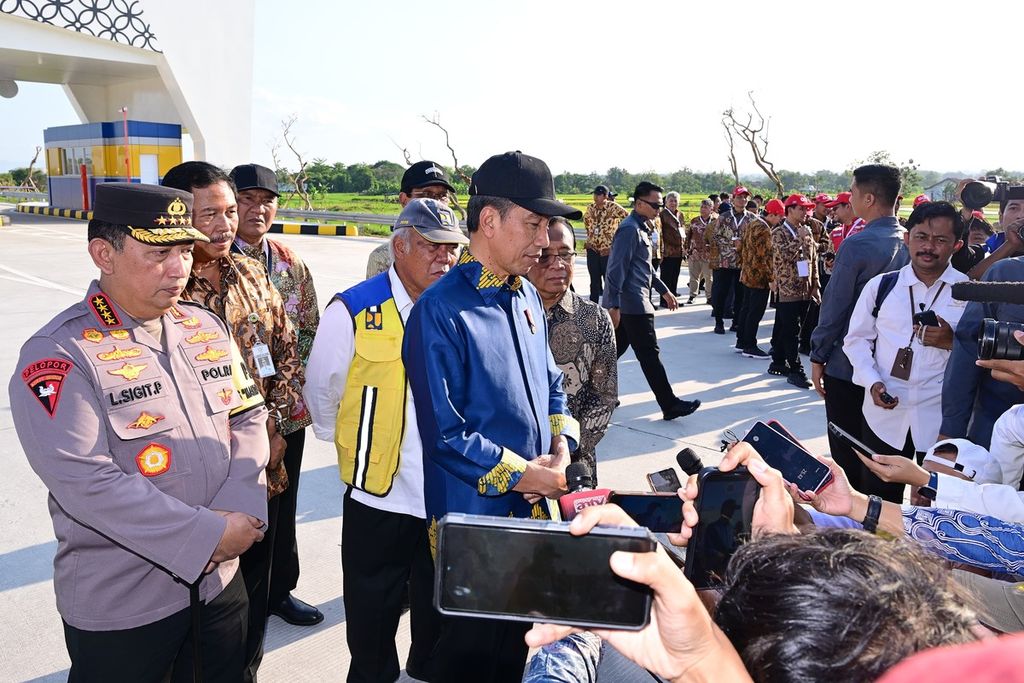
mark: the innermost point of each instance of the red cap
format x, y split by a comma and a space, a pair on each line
775, 207
799, 200
841, 198
822, 198
921, 199
739, 191
980, 215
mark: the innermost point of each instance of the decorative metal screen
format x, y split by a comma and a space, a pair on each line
117, 20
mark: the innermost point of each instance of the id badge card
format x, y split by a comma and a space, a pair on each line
264, 362
803, 268
902, 364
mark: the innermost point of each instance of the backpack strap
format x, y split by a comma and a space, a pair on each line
886, 285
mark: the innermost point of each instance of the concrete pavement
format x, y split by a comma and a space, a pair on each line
44, 268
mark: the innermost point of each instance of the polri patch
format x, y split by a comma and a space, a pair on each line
45, 379
153, 460
103, 310
93, 335
145, 421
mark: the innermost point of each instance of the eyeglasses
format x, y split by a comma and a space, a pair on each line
652, 204
440, 194
565, 257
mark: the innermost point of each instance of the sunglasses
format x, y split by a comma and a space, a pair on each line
653, 205
566, 257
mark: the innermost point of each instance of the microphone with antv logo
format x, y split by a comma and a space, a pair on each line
582, 493
688, 461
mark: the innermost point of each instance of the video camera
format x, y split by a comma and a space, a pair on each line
980, 193
995, 337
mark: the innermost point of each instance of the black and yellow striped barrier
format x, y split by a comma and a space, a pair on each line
284, 228
53, 211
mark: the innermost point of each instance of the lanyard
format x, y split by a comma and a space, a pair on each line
799, 241
913, 306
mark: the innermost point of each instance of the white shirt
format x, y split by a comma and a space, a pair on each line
326, 373
920, 398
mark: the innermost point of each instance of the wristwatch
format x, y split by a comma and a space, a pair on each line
874, 512
931, 489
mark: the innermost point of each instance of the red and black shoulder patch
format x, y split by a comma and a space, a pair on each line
45, 379
103, 310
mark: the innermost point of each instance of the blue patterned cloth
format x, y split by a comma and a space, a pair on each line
971, 539
573, 659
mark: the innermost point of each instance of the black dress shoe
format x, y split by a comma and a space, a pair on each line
719, 328
681, 409
780, 369
799, 380
297, 612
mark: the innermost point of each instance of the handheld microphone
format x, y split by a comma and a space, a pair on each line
996, 292
582, 493
688, 461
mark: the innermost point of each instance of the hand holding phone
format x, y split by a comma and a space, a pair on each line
659, 512
796, 465
926, 318
725, 511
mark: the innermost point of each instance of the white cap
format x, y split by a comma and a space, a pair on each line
971, 460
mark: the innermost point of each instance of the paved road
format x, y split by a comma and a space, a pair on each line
44, 268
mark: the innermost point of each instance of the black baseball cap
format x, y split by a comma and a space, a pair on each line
424, 174
150, 213
254, 177
525, 180
600, 189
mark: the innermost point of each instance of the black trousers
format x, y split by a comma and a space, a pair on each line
162, 651
755, 301
255, 563
789, 316
670, 266
597, 265
844, 406
380, 552
637, 330
284, 568
891, 492
810, 322
727, 281
480, 651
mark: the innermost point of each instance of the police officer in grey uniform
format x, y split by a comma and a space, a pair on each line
139, 415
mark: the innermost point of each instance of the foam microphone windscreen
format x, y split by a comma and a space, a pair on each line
689, 462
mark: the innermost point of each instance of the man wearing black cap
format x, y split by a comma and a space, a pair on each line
384, 537
422, 180
153, 458
627, 296
257, 206
490, 408
601, 221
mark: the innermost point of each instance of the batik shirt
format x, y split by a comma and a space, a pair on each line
583, 345
487, 391
756, 254
967, 538
254, 312
294, 283
697, 234
729, 227
790, 245
601, 224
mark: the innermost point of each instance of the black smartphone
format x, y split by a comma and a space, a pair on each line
659, 512
797, 465
926, 318
850, 439
725, 511
536, 571
664, 481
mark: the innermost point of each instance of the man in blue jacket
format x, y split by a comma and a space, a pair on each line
490, 409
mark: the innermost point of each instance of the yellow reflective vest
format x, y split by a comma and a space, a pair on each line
371, 419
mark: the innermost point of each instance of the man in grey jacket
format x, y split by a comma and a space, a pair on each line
627, 296
879, 248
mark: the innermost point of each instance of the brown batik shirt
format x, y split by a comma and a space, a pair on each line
727, 228
294, 283
582, 343
697, 235
254, 312
756, 254
789, 246
601, 224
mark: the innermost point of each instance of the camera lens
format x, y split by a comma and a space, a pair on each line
996, 341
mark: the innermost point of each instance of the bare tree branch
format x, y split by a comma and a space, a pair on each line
299, 178
755, 133
436, 121
732, 150
30, 182
403, 150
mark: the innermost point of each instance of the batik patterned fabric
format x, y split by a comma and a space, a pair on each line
975, 540
583, 344
254, 312
294, 283
756, 255
601, 224
727, 228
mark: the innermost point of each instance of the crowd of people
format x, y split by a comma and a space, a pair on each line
166, 414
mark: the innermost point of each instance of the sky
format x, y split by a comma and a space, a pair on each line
591, 85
